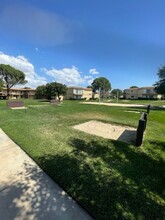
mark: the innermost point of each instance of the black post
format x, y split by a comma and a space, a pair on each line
144, 116
140, 131
148, 109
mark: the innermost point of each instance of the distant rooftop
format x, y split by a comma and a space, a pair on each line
145, 87
76, 87
20, 89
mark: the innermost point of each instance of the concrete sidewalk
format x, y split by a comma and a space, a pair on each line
26, 192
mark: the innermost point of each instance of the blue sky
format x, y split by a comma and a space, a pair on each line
74, 42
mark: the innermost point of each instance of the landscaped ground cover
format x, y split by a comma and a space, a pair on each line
112, 180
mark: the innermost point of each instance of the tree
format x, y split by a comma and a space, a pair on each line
60, 89
90, 87
1, 84
117, 91
160, 85
134, 87
11, 77
101, 84
55, 89
40, 92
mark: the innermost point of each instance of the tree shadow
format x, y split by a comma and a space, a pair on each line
43, 100
159, 144
160, 108
34, 195
144, 108
111, 180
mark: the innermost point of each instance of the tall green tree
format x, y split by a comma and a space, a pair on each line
11, 77
116, 92
55, 89
101, 84
160, 84
40, 92
1, 84
60, 89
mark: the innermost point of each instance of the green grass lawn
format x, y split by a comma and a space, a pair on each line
110, 179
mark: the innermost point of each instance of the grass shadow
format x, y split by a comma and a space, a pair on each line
44, 100
111, 180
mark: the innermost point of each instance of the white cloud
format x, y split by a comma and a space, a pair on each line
88, 77
21, 63
68, 76
90, 81
93, 71
36, 49
36, 25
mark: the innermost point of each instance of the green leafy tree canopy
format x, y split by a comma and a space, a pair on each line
101, 83
11, 76
160, 84
115, 91
134, 87
55, 89
1, 84
40, 92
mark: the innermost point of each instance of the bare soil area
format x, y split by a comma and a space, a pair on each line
109, 131
16, 108
113, 104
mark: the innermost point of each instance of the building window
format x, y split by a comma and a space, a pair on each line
78, 91
77, 97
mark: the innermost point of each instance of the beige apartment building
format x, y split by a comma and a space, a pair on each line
141, 93
16, 93
106, 95
78, 93
74, 92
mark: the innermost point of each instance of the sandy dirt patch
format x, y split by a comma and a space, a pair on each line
16, 108
133, 112
109, 131
113, 104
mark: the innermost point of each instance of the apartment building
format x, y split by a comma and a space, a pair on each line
78, 93
74, 92
106, 95
141, 93
16, 93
